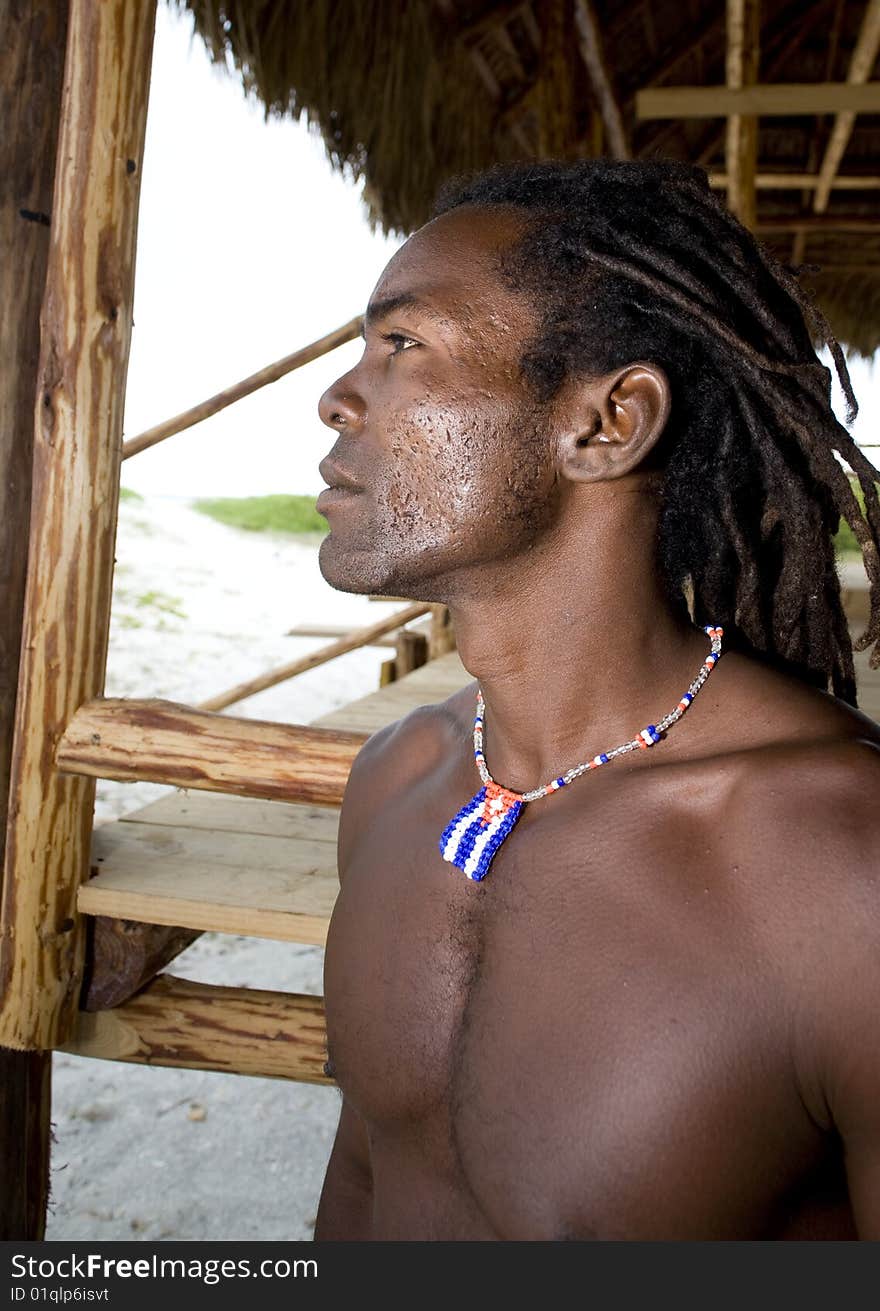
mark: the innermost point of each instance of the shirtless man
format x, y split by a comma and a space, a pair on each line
657, 1016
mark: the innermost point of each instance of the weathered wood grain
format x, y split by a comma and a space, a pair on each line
200, 1026
31, 74
164, 742
85, 335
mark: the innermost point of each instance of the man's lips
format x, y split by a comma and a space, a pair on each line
342, 486
337, 478
334, 496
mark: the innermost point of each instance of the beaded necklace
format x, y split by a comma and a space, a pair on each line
471, 839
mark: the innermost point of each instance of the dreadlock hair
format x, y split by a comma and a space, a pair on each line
639, 261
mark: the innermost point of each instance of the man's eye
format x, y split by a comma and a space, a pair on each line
399, 341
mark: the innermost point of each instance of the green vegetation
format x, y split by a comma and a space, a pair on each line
266, 514
845, 542
161, 601
126, 494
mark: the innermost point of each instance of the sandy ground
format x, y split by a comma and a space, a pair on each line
155, 1154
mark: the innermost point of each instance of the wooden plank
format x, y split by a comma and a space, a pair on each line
741, 144
861, 66
258, 886
163, 742
271, 373
770, 100
85, 337
200, 1026
227, 814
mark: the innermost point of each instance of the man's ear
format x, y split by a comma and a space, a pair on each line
608, 425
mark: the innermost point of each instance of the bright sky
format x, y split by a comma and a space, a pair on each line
249, 247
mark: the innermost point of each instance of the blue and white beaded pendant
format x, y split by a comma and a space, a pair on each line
471, 839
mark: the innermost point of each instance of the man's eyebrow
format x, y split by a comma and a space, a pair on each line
382, 309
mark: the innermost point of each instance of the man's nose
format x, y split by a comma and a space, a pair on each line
341, 406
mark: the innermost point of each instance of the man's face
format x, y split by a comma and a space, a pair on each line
436, 428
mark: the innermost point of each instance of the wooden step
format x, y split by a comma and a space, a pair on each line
216, 878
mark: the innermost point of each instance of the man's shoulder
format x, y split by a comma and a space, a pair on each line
395, 758
818, 795
409, 746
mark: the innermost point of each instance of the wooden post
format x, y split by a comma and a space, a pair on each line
861, 66
743, 37
85, 335
31, 74
441, 635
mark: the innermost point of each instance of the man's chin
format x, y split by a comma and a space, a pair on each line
368, 574
349, 572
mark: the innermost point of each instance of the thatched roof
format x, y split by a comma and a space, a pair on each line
407, 93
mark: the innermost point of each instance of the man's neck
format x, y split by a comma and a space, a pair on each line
577, 653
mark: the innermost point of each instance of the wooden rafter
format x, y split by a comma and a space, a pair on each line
593, 55
741, 148
775, 100
781, 37
798, 181
861, 65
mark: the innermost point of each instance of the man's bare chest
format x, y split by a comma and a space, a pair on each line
590, 1017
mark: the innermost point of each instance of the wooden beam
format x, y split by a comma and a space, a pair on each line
741, 147
590, 45
31, 76
820, 223
272, 677
861, 66
781, 37
771, 100
200, 1026
799, 182
85, 336
162, 742
124, 955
